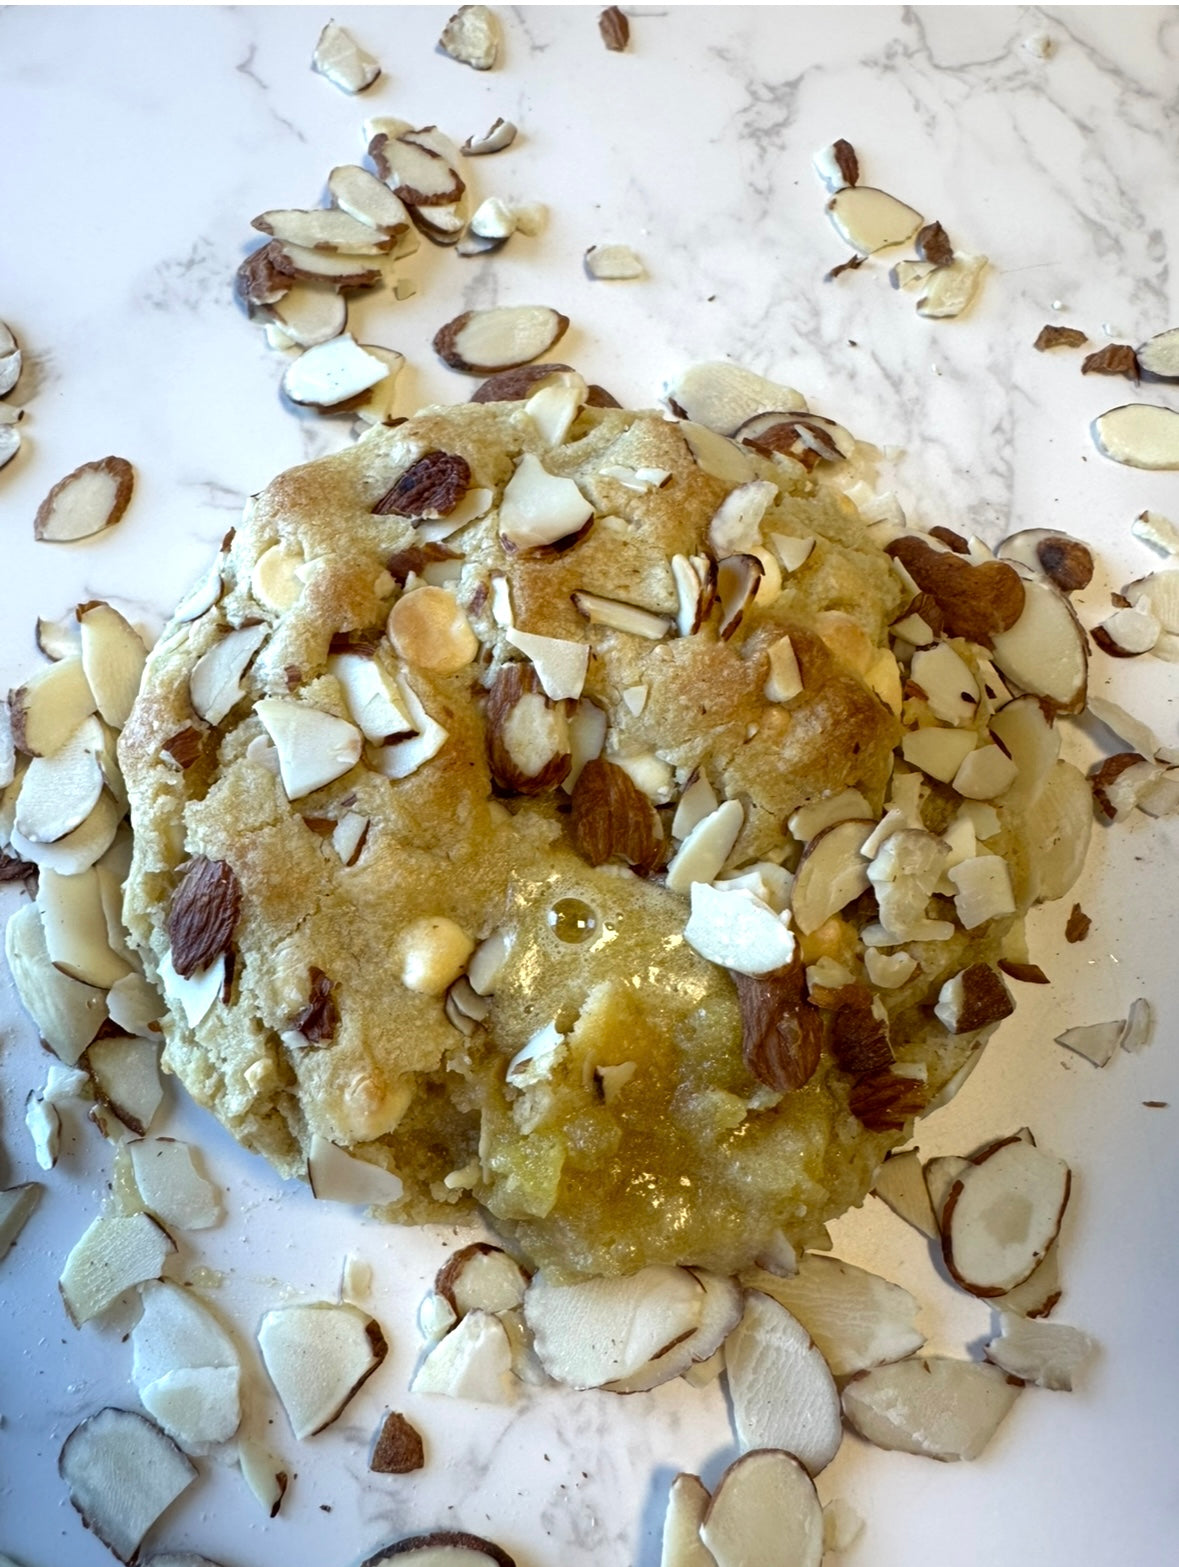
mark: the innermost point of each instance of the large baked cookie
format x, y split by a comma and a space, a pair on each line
472, 797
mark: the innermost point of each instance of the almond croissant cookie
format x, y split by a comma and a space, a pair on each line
577, 814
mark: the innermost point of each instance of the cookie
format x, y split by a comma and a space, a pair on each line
502, 809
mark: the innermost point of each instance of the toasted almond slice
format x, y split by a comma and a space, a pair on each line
482, 342
1065, 561
948, 290
694, 579
126, 1075
601, 1330
901, 1183
310, 313
86, 501
499, 136
172, 1187
540, 508
934, 1406
336, 1176
77, 850
325, 228
122, 1472
341, 59
614, 263
443, 1548
113, 656
58, 792
705, 848
16, 1209
1158, 357
765, 1508
687, 1502
419, 174
332, 373
639, 622
1044, 652
782, 1391
369, 200
855, 1318
67, 1013
830, 874
721, 397
1140, 435
473, 1361
553, 408
215, 684
51, 705
314, 748
870, 219
342, 272
1002, 1214
318, 1357
113, 1255
471, 37
1045, 1354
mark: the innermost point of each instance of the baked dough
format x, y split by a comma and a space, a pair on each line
603, 1113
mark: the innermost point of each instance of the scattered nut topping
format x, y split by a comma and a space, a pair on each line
933, 245
324, 228
1025, 973
332, 374
95, 1462
204, 915
976, 601
527, 735
781, 1032
1140, 435
950, 289
341, 59
318, 1357
614, 28
1065, 561
471, 37
1158, 357
974, 998
92, 498
1078, 924
398, 1448
430, 487
613, 819
499, 136
884, 1102
859, 1034
1113, 359
1059, 337
1002, 1214
481, 342
320, 1018
10, 359
613, 262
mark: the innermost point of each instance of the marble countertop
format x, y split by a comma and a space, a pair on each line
139, 144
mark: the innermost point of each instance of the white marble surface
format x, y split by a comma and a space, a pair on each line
139, 142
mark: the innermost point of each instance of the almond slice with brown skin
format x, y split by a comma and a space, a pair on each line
359, 193
342, 272
722, 397
324, 228
719, 1315
331, 374
830, 874
311, 313
443, 1548
314, 748
737, 580
1158, 357
10, 442
10, 360
527, 735
1065, 561
420, 175
126, 1076
58, 792
870, 219
113, 656
764, 1509
341, 59
398, 1448
337, 1176
1127, 633
1002, 1214
497, 138
598, 1331
1044, 1354
75, 927
215, 683
471, 37
900, 1182
783, 1394
318, 1357
933, 1406
122, 1472
631, 618
1139, 435
85, 502
481, 1277
837, 165
1045, 650
114, 1254
482, 342
67, 1013
472, 1361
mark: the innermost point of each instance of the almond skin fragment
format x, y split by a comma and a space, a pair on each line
1113, 359
61, 518
1025, 973
615, 29
203, 916
320, 1018
883, 1102
933, 244
398, 1449
1059, 337
613, 819
259, 280
1078, 924
432, 486
976, 601
781, 1032
859, 1039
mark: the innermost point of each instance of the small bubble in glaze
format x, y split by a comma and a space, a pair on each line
572, 921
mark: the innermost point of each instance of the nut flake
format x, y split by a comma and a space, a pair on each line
933, 244
1059, 337
837, 165
497, 138
10, 360
1113, 359
398, 1448
323, 228
613, 263
314, 748
85, 502
471, 37
869, 219
482, 342
331, 374
1158, 357
341, 59
950, 289
1139, 435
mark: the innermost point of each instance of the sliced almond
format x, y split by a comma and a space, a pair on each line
1045, 1354
311, 313
419, 174
737, 930
114, 1254
934, 1406
122, 1472
363, 196
403, 757
1002, 1214
199, 1407
318, 1357
1140, 435
540, 508
341, 59
870, 219
172, 1187
176, 1328
67, 1013
613, 263
1044, 651
560, 664
43, 1123
325, 228
337, 1176
831, 873
499, 136
326, 266
949, 290
527, 735
722, 396
592, 1333
473, 1360
1065, 561
16, 1209
264, 1475
855, 1318
443, 1548
481, 1277
10, 442
471, 37
765, 1508
372, 697
985, 773
58, 792
837, 165
1127, 633
783, 1394
10, 360
377, 407
125, 1071
687, 1502
1097, 1042
75, 926
482, 342
113, 656
631, 618
59, 639
215, 683
314, 748
332, 373
900, 1182
737, 580
704, 850
86, 501
948, 683
1158, 357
